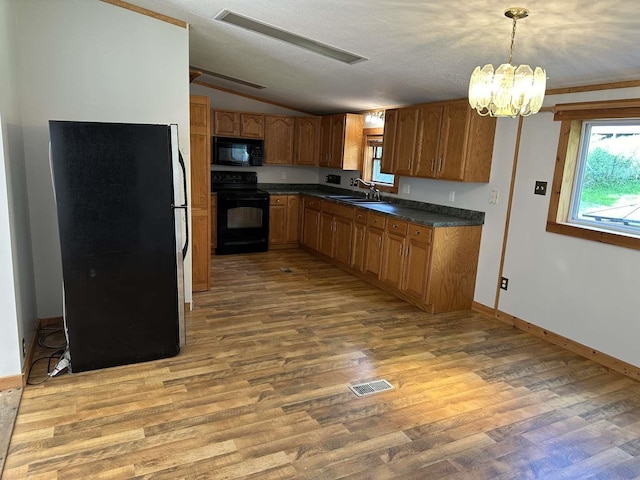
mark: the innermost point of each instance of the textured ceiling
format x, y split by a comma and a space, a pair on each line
418, 50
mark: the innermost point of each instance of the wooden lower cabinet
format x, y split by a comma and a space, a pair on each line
373, 241
417, 262
283, 221
311, 223
358, 238
433, 268
393, 253
336, 223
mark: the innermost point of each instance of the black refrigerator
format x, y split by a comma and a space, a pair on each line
120, 192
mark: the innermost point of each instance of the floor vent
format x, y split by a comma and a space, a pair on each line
369, 388
285, 270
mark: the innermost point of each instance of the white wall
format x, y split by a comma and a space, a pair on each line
581, 289
91, 61
17, 296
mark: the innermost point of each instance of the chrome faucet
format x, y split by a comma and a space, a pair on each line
373, 193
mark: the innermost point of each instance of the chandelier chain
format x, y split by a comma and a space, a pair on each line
513, 37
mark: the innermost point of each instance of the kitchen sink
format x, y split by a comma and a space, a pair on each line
352, 199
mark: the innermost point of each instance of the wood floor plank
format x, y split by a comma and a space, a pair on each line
261, 392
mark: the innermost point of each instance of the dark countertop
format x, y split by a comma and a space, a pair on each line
417, 212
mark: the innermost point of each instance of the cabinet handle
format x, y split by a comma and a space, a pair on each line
417, 232
440, 164
411, 164
379, 242
433, 164
395, 225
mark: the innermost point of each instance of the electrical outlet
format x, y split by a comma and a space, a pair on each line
493, 196
352, 181
541, 188
406, 188
24, 348
504, 283
452, 196
284, 175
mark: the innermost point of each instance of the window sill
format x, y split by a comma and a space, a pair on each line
595, 234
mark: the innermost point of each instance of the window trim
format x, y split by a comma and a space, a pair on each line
572, 116
365, 174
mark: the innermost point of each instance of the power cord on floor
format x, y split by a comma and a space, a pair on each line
61, 355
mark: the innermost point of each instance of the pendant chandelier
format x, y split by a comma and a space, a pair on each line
509, 91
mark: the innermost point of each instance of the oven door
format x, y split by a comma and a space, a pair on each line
243, 223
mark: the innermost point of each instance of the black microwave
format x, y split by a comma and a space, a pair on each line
238, 152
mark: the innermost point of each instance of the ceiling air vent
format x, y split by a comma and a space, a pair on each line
288, 37
228, 78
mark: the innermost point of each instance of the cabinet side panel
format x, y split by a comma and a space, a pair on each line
453, 268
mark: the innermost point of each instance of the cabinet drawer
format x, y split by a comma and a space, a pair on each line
337, 210
420, 232
312, 203
277, 199
397, 226
375, 220
360, 216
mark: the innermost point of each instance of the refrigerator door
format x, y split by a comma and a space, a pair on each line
180, 219
114, 195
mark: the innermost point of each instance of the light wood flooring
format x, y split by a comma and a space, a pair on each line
261, 392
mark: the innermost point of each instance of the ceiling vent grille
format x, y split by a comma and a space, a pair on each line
288, 37
228, 78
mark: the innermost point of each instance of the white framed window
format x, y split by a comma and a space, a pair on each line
606, 190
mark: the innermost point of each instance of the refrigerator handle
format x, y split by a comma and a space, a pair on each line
185, 204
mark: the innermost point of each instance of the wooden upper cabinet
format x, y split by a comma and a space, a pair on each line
445, 140
405, 141
278, 140
306, 140
325, 141
341, 141
228, 123
389, 140
428, 147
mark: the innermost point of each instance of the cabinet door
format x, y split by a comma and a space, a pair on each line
293, 219
200, 143
277, 219
342, 228
327, 226
251, 125
373, 251
417, 260
311, 228
226, 124
389, 140
428, 152
337, 140
325, 141
454, 136
405, 141
357, 246
307, 140
278, 140
392, 263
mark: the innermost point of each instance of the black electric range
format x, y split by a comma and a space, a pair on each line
242, 213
